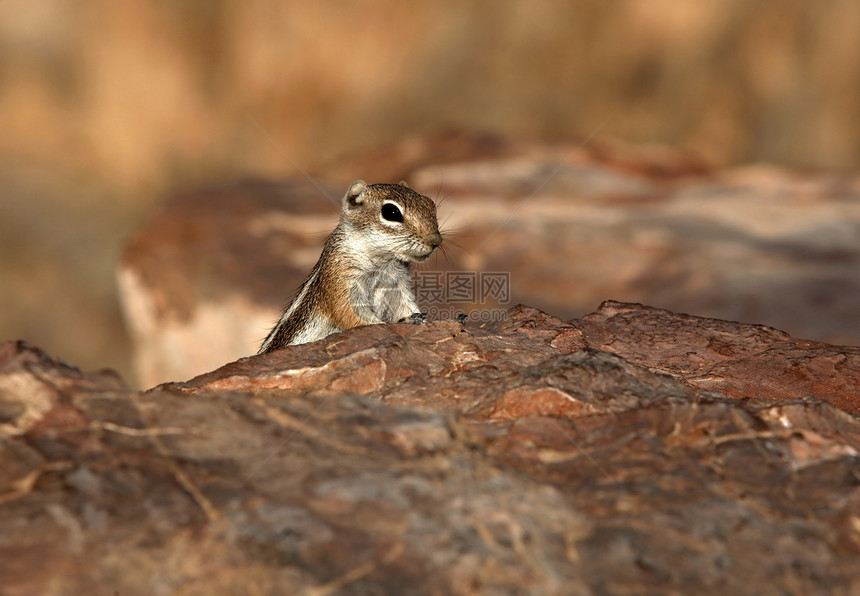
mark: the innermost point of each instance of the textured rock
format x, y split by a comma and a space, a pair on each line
735, 359
529, 456
204, 281
551, 367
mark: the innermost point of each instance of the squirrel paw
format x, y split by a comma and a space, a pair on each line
415, 318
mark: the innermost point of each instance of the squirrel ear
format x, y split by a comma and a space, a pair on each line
355, 195
403, 183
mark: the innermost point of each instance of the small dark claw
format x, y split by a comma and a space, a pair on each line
415, 318
461, 318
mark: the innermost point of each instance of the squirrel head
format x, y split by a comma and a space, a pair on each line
391, 221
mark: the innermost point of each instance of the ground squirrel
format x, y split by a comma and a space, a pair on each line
362, 276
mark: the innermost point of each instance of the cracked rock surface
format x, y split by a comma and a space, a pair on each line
634, 450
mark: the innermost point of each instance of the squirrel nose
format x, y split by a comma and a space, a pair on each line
435, 240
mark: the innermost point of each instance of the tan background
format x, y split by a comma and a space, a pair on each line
107, 106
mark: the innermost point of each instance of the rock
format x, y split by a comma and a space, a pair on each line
555, 225
529, 455
625, 343
735, 359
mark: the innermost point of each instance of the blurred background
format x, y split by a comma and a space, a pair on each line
107, 107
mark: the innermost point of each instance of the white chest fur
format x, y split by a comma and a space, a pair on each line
385, 292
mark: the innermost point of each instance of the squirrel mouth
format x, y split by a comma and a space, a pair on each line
420, 258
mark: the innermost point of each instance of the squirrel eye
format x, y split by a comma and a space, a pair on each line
391, 212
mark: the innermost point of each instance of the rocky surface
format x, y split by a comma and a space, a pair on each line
204, 281
530, 455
